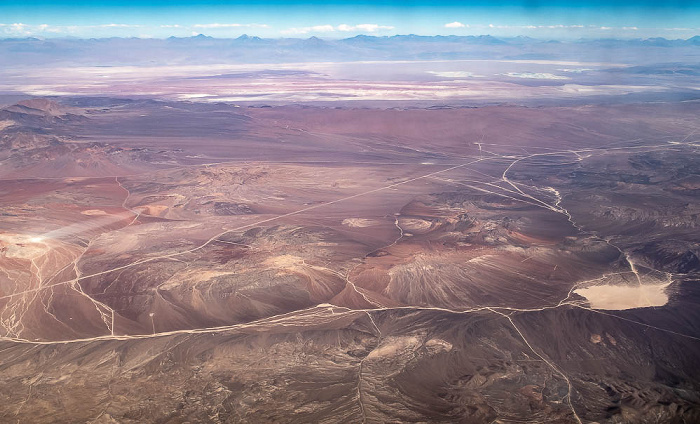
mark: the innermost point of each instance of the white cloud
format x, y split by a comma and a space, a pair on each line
306, 30
234, 25
372, 27
455, 24
20, 29
580, 29
322, 28
341, 28
532, 26
115, 26
52, 29
17, 29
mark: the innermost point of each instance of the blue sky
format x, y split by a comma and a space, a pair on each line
340, 19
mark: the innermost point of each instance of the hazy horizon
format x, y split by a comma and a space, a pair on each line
278, 18
340, 38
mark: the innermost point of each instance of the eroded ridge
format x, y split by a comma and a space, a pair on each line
420, 281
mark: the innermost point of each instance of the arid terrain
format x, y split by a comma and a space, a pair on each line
172, 262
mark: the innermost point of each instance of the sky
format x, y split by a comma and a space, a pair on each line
548, 19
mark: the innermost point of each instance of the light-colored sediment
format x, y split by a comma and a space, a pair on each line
621, 297
359, 222
93, 212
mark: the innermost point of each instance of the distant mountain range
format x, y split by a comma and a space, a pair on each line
474, 39
203, 49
